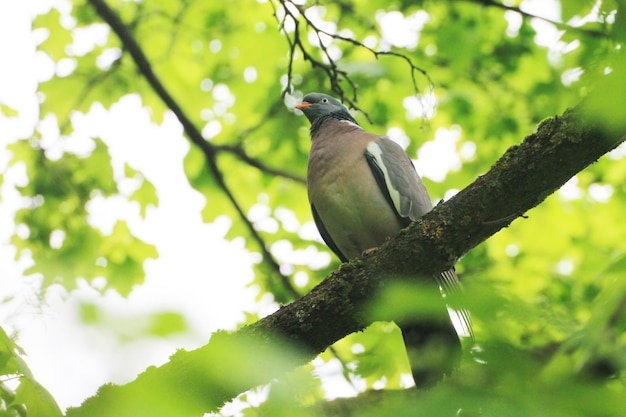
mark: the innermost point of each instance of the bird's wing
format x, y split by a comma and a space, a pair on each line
406, 193
326, 236
397, 178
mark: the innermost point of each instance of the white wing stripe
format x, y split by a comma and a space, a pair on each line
377, 153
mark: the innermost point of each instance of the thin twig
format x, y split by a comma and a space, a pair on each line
559, 25
335, 74
240, 153
87, 89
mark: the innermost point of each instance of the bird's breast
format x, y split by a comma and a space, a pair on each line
348, 199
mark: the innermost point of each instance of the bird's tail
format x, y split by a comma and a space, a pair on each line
433, 348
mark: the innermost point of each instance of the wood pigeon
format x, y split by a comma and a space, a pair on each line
363, 190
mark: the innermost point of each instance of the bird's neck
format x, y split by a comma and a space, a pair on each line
337, 116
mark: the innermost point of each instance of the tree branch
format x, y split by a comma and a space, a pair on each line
241, 154
559, 25
524, 176
194, 135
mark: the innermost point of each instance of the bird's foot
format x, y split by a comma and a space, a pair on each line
369, 251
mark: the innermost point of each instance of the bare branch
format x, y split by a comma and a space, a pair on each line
331, 67
559, 25
239, 151
241, 154
194, 135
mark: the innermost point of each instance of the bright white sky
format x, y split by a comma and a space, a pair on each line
198, 273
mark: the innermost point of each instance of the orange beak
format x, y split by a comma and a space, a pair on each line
303, 105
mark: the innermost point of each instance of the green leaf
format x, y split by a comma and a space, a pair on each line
125, 255
197, 381
10, 361
8, 111
571, 8
146, 194
37, 399
58, 37
167, 323
64, 188
30, 393
606, 101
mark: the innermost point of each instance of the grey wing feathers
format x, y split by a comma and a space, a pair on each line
326, 236
405, 191
397, 177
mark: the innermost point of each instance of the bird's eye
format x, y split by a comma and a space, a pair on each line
324, 100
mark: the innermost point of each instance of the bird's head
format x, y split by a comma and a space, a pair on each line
316, 106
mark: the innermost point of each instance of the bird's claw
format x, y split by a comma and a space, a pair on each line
369, 251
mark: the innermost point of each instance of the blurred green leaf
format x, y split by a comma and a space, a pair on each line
146, 194
60, 192
29, 393
606, 101
58, 37
8, 111
38, 401
125, 255
167, 323
571, 8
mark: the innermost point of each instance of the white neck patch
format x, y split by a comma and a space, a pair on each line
350, 122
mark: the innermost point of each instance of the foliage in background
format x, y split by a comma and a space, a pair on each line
548, 294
